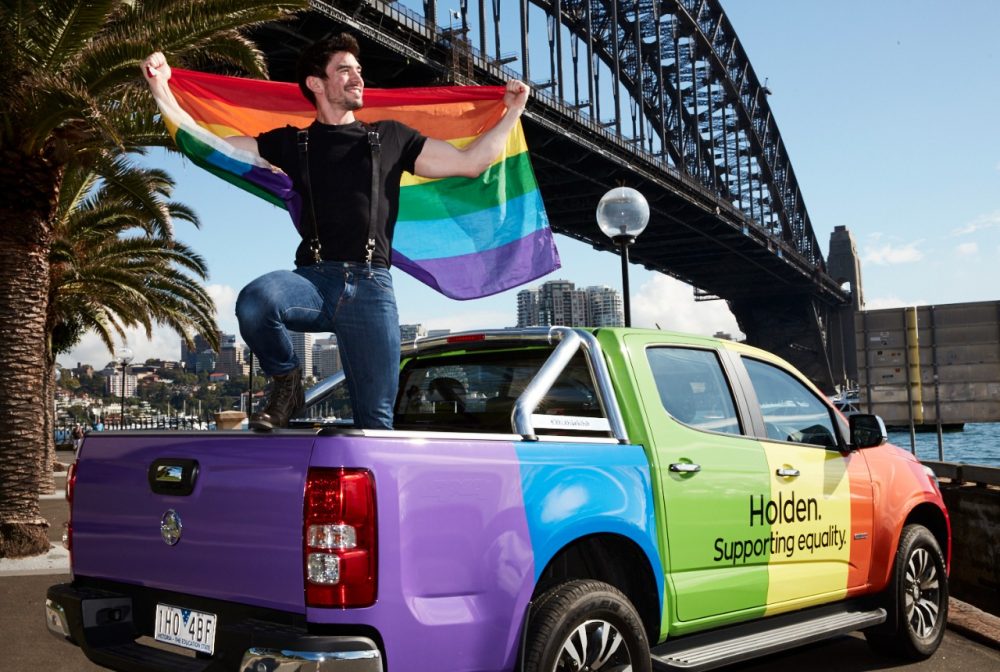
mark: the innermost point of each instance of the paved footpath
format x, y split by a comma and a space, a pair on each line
973, 642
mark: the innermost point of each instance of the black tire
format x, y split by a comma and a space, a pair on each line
585, 625
919, 597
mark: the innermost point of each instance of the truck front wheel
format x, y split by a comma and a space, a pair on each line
919, 594
585, 625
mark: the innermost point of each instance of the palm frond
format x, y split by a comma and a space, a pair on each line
70, 25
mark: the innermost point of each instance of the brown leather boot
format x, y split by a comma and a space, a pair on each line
286, 399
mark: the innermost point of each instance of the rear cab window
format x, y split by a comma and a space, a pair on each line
476, 390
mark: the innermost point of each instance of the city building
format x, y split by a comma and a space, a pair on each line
409, 332
562, 303
113, 383
230, 360
326, 357
559, 302
527, 308
302, 344
252, 362
204, 361
82, 370
190, 355
605, 307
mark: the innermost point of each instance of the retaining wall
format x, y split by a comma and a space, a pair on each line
972, 495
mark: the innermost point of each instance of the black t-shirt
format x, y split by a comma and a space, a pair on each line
340, 172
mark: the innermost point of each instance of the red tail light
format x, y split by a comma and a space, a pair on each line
338, 541
70, 486
466, 338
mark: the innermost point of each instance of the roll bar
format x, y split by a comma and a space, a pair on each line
568, 342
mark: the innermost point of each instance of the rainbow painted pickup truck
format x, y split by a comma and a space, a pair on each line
551, 499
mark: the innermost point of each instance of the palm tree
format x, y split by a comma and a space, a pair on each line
72, 94
114, 264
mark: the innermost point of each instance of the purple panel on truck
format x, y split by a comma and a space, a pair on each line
455, 560
241, 535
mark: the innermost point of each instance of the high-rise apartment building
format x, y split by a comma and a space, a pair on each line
326, 357
605, 307
113, 383
560, 302
527, 308
302, 344
230, 360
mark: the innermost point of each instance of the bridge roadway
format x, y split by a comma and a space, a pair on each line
971, 643
726, 213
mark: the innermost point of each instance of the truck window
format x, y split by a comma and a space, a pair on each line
791, 411
693, 388
476, 391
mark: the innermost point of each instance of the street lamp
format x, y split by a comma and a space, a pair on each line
622, 215
124, 357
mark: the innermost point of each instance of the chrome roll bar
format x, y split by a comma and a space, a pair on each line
569, 341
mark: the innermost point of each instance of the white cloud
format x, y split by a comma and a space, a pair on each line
888, 254
988, 221
225, 306
967, 249
669, 303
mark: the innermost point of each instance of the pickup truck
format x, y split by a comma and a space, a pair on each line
551, 499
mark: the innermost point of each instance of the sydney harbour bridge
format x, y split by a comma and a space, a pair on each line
654, 95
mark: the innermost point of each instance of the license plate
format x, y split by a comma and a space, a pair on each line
185, 627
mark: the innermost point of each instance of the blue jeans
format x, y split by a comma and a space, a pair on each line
337, 296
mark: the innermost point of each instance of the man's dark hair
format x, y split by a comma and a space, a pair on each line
313, 61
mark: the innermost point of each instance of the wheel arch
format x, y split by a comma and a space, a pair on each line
613, 559
933, 518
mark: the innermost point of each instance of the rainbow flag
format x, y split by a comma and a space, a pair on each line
466, 238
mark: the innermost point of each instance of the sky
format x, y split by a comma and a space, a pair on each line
888, 110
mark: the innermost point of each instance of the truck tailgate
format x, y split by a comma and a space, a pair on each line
241, 524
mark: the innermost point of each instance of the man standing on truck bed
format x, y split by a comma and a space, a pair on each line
348, 173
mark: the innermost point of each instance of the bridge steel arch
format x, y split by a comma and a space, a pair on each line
728, 216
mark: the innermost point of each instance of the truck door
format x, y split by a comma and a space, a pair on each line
819, 505
707, 466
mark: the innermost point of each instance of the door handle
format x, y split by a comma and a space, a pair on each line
685, 468
787, 472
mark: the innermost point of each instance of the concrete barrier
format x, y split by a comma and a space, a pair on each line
972, 495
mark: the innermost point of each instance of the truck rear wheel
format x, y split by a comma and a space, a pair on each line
919, 595
585, 625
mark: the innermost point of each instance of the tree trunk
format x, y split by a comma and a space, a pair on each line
28, 190
47, 480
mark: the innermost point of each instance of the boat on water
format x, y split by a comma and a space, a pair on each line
847, 402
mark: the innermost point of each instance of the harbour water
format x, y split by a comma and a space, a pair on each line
978, 443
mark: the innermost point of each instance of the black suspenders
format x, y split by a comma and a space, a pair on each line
376, 192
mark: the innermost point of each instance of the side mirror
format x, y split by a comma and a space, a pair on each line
867, 431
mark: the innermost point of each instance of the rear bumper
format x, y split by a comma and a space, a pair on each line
105, 624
